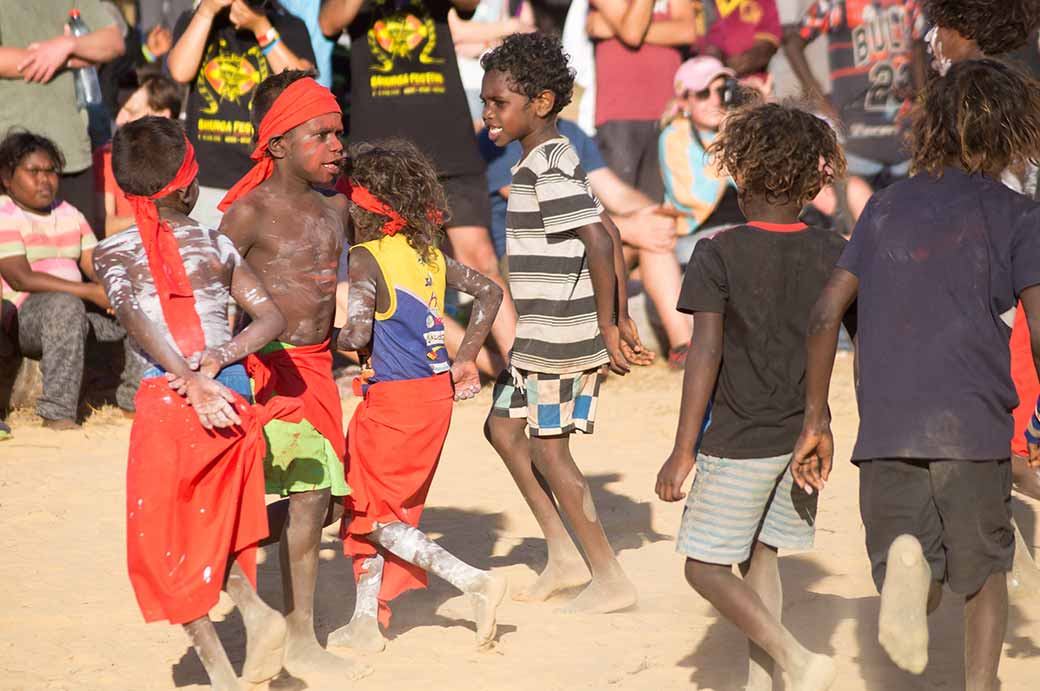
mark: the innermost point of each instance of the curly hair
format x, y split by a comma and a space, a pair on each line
534, 63
396, 172
18, 144
997, 26
780, 152
984, 115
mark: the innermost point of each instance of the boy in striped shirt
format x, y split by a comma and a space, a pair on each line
567, 278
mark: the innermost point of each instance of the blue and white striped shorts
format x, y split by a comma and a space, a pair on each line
734, 502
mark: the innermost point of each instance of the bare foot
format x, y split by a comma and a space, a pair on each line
485, 607
265, 648
818, 675
62, 425
306, 660
360, 633
1024, 578
903, 624
559, 574
603, 595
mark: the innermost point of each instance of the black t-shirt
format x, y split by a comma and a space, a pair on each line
405, 82
764, 280
220, 98
940, 263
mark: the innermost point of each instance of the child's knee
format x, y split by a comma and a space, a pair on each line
503, 433
699, 573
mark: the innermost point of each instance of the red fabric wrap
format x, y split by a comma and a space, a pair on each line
301, 101
194, 497
394, 443
369, 202
165, 263
1023, 373
303, 372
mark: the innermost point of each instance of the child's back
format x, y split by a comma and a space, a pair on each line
764, 278
940, 262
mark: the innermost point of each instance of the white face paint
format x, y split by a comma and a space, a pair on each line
940, 63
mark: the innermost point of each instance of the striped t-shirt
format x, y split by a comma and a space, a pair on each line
549, 199
52, 244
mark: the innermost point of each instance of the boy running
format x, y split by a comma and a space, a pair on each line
291, 235
936, 265
750, 289
397, 280
567, 277
194, 495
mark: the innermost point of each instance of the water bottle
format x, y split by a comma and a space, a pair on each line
88, 89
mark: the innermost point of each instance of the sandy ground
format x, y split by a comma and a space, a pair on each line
68, 619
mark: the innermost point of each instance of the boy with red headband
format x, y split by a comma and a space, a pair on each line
195, 476
291, 234
397, 277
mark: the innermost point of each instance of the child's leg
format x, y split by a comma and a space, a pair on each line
265, 629
908, 596
209, 649
362, 631
762, 574
985, 621
414, 547
301, 537
1024, 576
736, 600
565, 567
610, 589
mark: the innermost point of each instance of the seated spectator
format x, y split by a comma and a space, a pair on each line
744, 35
492, 21
874, 70
44, 247
222, 51
158, 95
648, 235
37, 86
637, 50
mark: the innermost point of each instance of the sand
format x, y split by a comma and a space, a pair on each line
68, 619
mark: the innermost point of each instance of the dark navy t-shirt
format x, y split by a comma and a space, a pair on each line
501, 160
940, 263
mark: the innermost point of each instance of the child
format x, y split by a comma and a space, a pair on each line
567, 278
158, 95
397, 277
291, 235
936, 265
194, 476
750, 289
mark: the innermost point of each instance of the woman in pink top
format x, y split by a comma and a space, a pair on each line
636, 55
45, 248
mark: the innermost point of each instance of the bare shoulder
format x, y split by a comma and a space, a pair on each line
240, 221
337, 202
126, 242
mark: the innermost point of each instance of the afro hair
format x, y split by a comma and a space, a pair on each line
997, 26
533, 63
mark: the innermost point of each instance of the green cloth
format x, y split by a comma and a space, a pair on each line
299, 458
47, 109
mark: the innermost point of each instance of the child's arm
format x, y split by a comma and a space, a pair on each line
631, 345
487, 299
240, 224
265, 320
599, 247
365, 276
211, 401
814, 450
702, 369
1030, 298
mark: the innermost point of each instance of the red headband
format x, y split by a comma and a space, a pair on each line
369, 202
301, 101
164, 260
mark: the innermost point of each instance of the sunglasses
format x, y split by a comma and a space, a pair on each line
705, 94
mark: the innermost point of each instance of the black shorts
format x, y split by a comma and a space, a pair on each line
960, 512
630, 150
468, 200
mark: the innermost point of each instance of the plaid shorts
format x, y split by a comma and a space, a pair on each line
553, 404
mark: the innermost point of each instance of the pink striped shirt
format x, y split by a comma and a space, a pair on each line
51, 244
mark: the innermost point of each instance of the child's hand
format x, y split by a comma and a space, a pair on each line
466, 378
632, 346
1034, 456
212, 402
813, 458
673, 474
612, 341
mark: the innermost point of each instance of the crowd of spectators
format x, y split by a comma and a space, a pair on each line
655, 80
